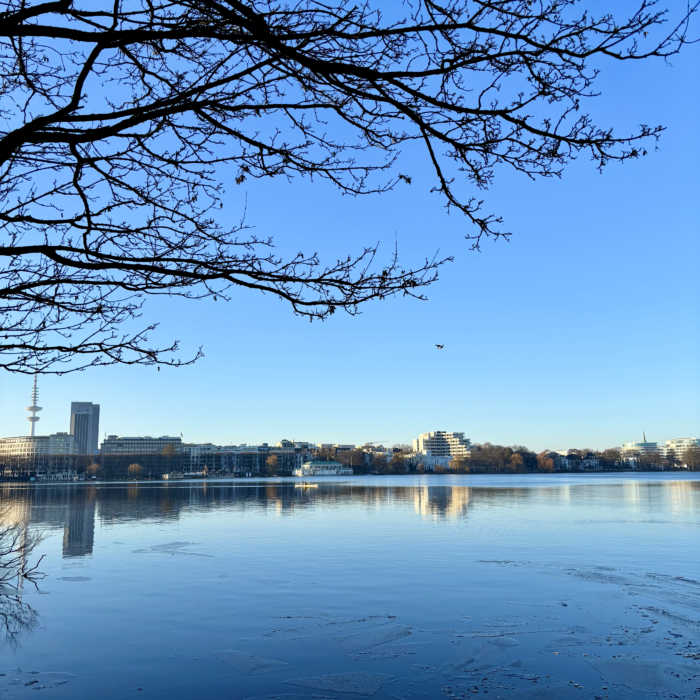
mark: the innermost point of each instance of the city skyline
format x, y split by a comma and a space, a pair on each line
85, 415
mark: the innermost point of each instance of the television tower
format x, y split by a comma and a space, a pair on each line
33, 408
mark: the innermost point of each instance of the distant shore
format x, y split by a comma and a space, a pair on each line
299, 480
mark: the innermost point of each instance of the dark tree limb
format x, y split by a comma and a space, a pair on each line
116, 117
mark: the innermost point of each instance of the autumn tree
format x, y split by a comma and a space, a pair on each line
460, 464
169, 450
516, 463
544, 462
529, 457
92, 469
272, 464
125, 126
134, 471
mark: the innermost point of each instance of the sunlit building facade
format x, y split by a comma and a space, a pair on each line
114, 445
37, 446
325, 468
39, 457
442, 444
677, 447
632, 449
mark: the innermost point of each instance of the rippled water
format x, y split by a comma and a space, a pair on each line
398, 587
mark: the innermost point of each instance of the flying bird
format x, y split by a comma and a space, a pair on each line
439, 347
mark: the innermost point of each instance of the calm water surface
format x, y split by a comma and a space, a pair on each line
398, 587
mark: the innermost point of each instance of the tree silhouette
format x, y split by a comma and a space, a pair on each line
169, 450
121, 123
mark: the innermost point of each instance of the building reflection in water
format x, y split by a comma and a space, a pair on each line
450, 502
75, 507
79, 527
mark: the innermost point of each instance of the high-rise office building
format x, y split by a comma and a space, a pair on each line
85, 426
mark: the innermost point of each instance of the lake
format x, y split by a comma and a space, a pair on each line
530, 586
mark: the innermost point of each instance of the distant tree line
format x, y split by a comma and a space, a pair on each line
613, 459
488, 458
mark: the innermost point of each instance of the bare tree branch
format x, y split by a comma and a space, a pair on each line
118, 120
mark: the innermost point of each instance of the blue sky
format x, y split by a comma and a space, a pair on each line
581, 332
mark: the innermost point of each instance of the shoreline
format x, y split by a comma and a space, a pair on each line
339, 479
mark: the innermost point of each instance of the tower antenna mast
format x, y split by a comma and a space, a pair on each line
33, 409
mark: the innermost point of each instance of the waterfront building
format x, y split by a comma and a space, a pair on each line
324, 468
40, 457
676, 447
63, 444
442, 444
246, 459
430, 461
85, 425
632, 449
38, 446
114, 445
569, 460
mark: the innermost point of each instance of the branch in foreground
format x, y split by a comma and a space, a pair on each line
120, 123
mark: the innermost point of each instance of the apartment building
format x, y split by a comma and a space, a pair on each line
442, 444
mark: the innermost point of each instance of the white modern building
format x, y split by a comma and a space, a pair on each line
678, 446
442, 444
40, 457
325, 468
630, 449
36, 446
430, 461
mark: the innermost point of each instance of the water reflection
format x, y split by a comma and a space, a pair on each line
17, 618
75, 507
79, 528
